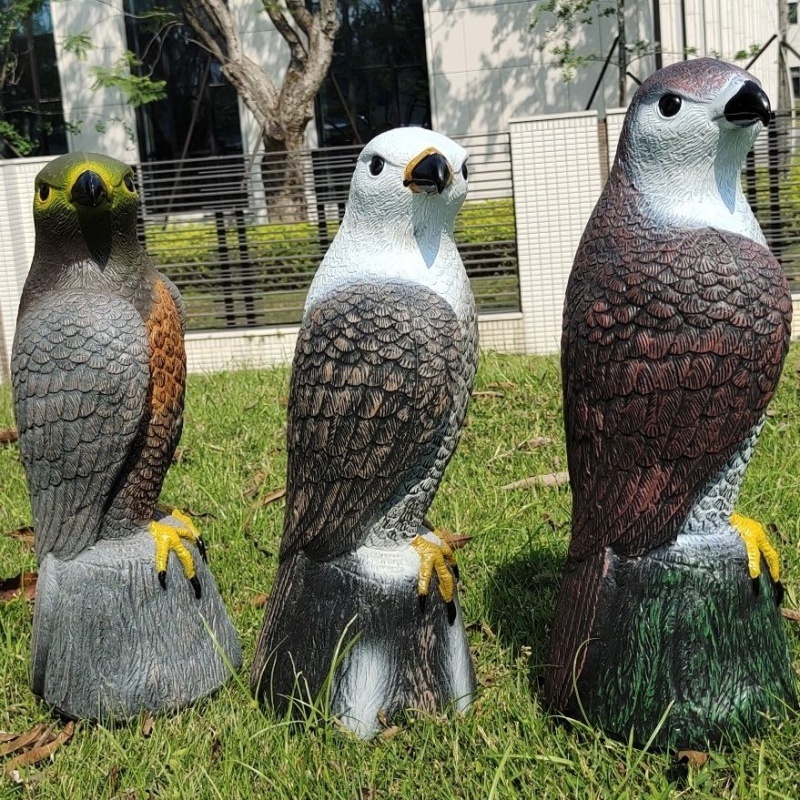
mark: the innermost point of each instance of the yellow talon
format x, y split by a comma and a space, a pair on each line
438, 557
757, 543
168, 538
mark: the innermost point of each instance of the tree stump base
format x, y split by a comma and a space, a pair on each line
682, 638
358, 621
109, 642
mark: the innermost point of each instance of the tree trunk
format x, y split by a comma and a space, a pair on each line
283, 113
283, 176
623, 52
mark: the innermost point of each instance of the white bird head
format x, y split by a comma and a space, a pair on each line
407, 188
684, 141
408, 170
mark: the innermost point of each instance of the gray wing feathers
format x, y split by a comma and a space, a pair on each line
80, 373
375, 392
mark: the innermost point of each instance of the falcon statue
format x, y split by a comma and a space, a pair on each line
381, 377
676, 325
98, 370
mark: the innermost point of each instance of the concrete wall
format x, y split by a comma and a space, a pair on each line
721, 28
557, 180
486, 68
485, 65
100, 119
484, 61
16, 244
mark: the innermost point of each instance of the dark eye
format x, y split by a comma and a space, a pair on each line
376, 165
44, 192
669, 105
129, 183
465, 171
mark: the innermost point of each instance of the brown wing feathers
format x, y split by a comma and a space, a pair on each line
672, 349
372, 387
662, 360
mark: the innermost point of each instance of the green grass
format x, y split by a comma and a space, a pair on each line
508, 746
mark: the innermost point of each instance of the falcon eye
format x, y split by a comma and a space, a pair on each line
669, 105
465, 171
129, 184
44, 192
376, 165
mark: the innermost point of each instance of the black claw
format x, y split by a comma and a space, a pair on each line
756, 584
162, 579
778, 593
196, 586
423, 598
451, 612
456, 573
201, 546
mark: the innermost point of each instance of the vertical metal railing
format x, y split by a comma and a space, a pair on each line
243, 251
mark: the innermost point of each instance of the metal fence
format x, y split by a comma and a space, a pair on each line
771, 182
210, 224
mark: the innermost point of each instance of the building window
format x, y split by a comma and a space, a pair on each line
200, 114
792, 8
794, 72
30, 90
379, 76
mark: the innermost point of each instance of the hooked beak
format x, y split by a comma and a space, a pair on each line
429, 172
748, 106
89, 189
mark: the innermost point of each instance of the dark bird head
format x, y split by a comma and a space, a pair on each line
85, 206
686, 134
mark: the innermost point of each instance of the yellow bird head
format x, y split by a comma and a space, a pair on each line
84, 209
83, 194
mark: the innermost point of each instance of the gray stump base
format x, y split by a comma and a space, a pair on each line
364, 609
109, 642
682, 639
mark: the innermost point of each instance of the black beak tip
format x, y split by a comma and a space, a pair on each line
748, 106
432, 172
89, 189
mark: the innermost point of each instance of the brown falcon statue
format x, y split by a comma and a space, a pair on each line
676, 325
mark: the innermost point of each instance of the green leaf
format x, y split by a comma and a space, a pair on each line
137, 89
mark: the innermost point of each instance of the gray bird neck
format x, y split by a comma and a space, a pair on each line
418, 247
696, 196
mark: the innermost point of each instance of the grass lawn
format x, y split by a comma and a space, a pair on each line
508, 746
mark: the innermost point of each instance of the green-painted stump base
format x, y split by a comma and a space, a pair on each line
683, 629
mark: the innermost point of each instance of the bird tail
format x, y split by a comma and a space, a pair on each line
280, 596
47, 598
573, 624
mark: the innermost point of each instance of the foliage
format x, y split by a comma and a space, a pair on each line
13, 14
17, 142
509, 746
137, 89
79, 43
190, 247
483, 221
558, 33
193, 247
281, 258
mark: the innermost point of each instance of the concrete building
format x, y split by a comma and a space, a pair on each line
483, 61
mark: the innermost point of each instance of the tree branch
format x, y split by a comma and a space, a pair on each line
284, 28
300, 15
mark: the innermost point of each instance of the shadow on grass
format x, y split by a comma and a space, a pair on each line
520, 600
